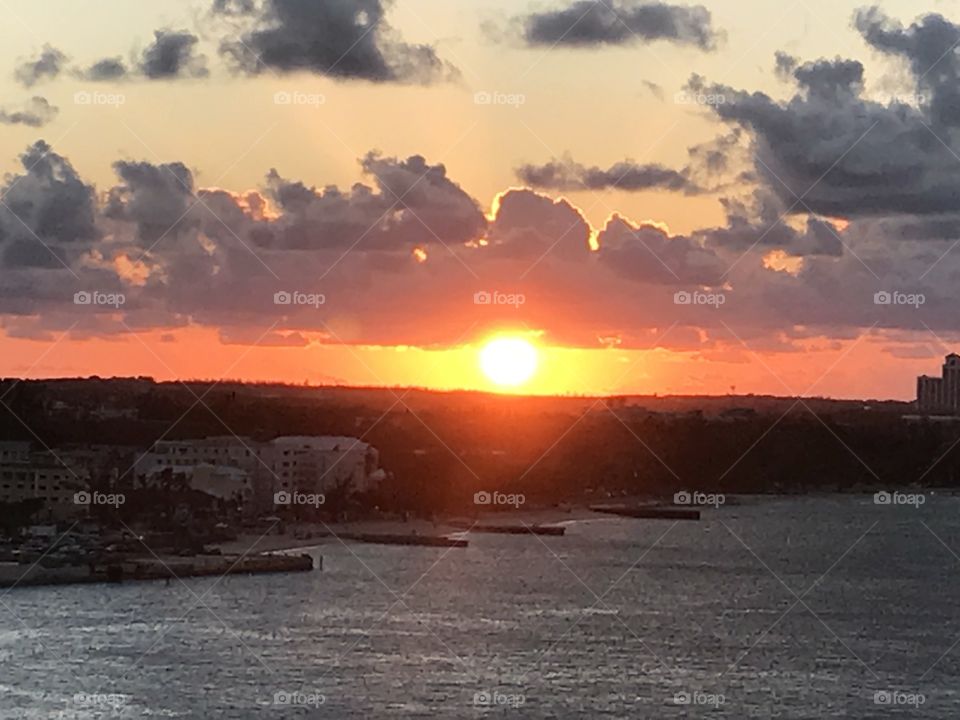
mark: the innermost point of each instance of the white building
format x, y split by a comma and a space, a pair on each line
38, 476
329, 461
302, 463
941, 394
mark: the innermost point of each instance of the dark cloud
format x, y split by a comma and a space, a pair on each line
757, 225
650, 254
929, 46
46, 66
587, 23
233, 7
49, 209
153, 197
785, 64
346, 39
37, 113
414, 203
531, 225
105, 70
627, 175
832, 151
383, 265
172, 55
830, 79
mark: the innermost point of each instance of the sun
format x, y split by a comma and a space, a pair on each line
508, 361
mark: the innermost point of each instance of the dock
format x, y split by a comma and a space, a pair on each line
555, 530
658, 512
392, 539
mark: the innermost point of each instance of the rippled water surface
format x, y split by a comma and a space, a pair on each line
787, 608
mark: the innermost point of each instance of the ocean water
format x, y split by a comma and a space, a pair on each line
773, 608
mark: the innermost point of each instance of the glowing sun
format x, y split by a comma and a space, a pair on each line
508, 361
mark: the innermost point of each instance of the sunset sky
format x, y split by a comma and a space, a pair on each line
659, 198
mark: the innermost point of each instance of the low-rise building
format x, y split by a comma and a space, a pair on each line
42, 476
231, 466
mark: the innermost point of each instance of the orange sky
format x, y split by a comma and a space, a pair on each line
199, 354
597, 107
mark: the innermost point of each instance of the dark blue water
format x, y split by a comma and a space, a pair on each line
787, 608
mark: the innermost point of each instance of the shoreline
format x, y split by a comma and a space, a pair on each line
153, 568
319, 535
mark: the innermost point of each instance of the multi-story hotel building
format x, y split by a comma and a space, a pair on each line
941, 394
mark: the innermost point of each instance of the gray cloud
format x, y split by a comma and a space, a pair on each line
49, 210
785, 64
531, 225
413, 203
650, 254
587, 23
105, 70
153, 197
37, 113
757, 225
929, 46
626, 175
172, 55
843, 153
224, 259
46, 66
345, 39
